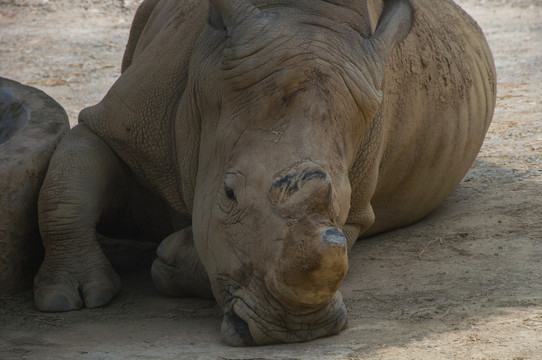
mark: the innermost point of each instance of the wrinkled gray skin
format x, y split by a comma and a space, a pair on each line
263, 139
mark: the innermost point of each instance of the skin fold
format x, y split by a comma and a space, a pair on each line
257, 141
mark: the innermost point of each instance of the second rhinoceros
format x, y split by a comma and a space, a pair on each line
260, 139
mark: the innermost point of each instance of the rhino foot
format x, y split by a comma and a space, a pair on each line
54, 291
178, 271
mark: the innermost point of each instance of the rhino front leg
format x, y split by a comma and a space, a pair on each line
178, 271
84, 182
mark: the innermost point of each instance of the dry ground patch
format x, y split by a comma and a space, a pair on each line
465, 283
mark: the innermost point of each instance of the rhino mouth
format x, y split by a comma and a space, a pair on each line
236, 331
249, 322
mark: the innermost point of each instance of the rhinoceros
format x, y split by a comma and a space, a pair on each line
257, 140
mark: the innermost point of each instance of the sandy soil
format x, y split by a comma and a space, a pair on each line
465, 283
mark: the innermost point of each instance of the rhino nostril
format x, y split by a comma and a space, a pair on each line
235, 331
333, 236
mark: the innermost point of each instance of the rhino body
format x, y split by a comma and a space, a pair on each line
259, 140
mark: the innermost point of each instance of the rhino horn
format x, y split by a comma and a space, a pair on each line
303, 188
313, 260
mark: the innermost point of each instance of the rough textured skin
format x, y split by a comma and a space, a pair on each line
439, 94
263, 139
31, 126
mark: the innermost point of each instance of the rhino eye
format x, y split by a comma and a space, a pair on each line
233, 180
229, 193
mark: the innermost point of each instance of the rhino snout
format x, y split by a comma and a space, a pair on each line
313, 259
311, 267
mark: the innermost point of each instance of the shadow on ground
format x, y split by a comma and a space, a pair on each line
475, 257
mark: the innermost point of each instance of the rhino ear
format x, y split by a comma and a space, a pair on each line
393, 27
232, 13
215, 20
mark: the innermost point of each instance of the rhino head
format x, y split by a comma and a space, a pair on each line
284, 98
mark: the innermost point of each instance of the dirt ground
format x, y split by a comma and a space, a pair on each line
465, 283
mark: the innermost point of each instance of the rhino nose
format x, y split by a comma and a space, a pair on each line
312, 266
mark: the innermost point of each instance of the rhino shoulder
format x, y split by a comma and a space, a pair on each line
136, 118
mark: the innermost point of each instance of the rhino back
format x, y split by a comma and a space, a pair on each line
137, 116
439, 93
